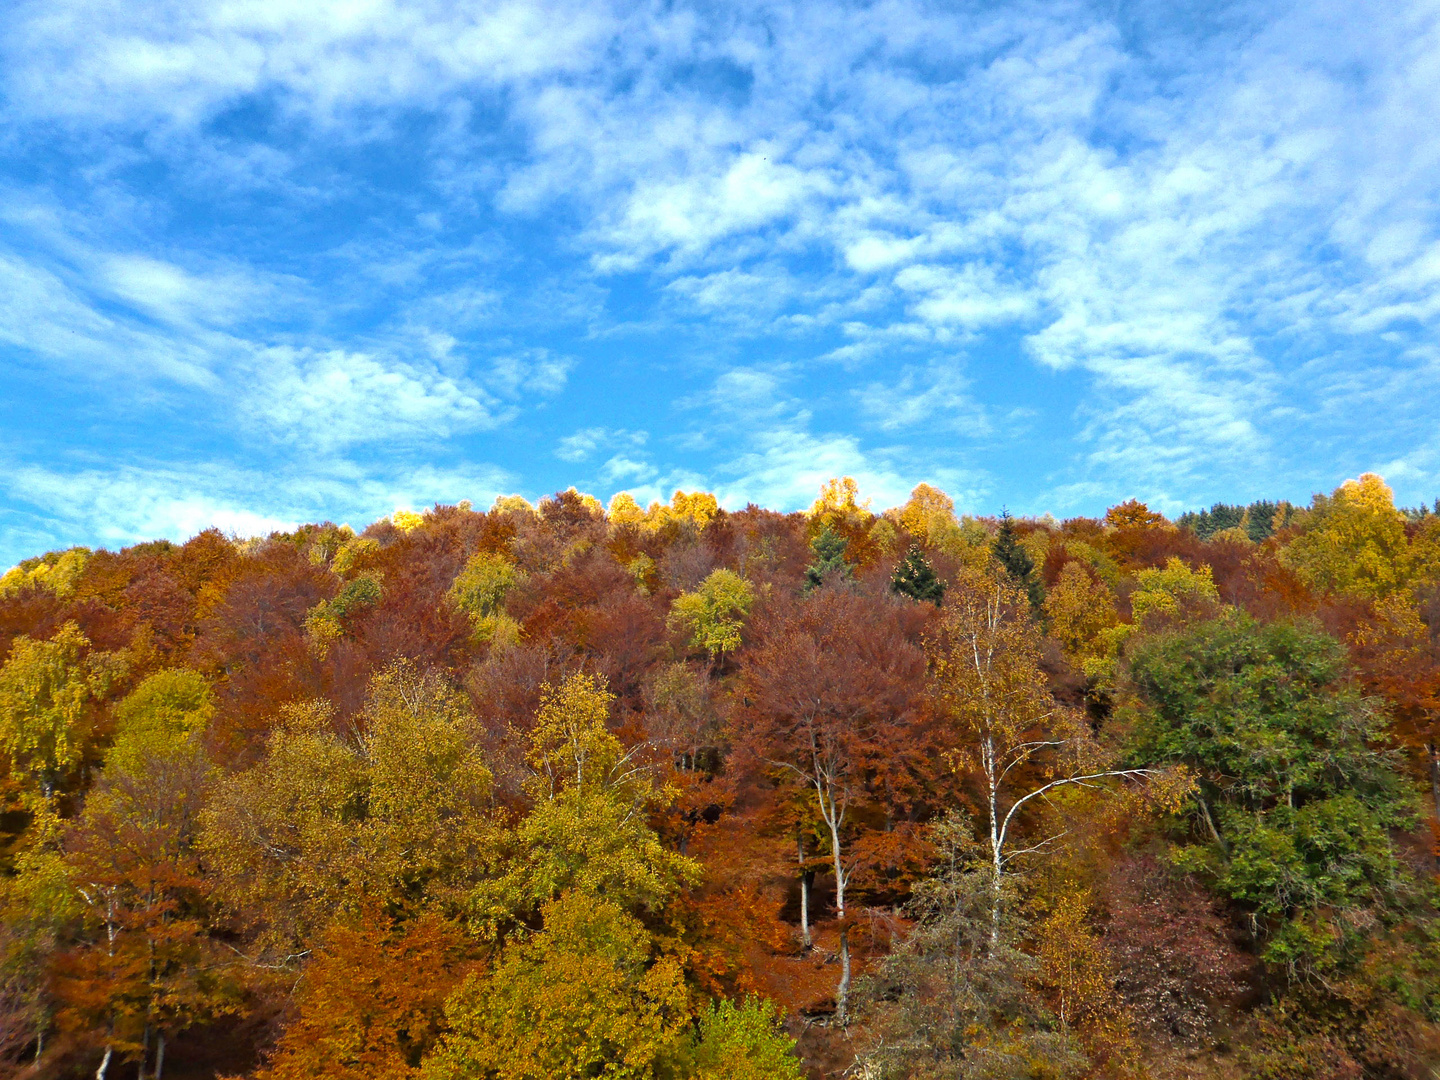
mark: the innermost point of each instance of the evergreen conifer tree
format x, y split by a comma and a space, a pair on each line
829, 548
915, 578
1015, 559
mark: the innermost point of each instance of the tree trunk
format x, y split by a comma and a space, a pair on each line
160, 1057
839, 868
805, 877
104, 1064
1210, 824
842, 995
144, 1053
997, 846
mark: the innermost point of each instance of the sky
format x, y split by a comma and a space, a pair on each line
265, 262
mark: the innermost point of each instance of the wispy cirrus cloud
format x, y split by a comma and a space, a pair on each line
1144, 250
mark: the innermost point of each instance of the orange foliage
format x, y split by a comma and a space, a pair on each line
371, 1003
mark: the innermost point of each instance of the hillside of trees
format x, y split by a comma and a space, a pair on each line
564, 790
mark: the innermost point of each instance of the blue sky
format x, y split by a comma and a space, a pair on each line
264, 262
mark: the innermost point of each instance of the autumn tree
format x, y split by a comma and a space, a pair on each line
1080, 610
1075, 976
45, 687
398, 814
1398, 658
830, 701
587, 830
1352, 540
370, 1005
839, 502
1003, 720
588, 995
1134, 514
146, 968
714, 614
927, 513
480, 590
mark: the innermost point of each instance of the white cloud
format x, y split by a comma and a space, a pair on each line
129, 504
1210, 238
583, 443
335, 398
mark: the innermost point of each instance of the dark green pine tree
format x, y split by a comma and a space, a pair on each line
1016, 560
915, 578
829, 548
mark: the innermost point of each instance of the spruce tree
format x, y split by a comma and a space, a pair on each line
915, 578
829, 548
1015, 559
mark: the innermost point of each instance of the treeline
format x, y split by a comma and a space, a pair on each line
573, 791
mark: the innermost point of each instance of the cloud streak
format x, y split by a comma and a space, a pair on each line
1060, 253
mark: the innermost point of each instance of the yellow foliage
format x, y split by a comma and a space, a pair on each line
966, 540
1163, 590
642, 569
159, 716
571, 744
1354, 541
624, 510
883, 534
354, 554
838, 502
1105, 567
928, 506
698, 507
1134, 514
715, 612
584, 997
323, 824
406, 520
1080, 610
44, 688
479, 590
57, 571
511, 504
326, 543
1037, 545
1077, 976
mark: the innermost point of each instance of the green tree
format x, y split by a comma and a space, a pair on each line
1293, 802
586, 996
741, 1042
953, 1001
914, 577
480, 590
830, 564
714, 614
1015, 560
587, 830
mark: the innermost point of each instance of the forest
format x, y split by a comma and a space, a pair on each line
569, 790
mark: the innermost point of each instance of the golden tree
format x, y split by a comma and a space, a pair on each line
1004, 722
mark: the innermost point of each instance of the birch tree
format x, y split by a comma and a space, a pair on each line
1004, 722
